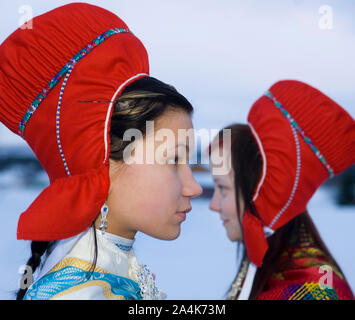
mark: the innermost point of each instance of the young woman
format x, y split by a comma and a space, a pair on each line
79, 95
296, 137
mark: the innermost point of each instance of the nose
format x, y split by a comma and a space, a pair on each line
214, 203
197, 188
191, 187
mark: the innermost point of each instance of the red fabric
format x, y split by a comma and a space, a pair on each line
282, 289
29, 59
331, 129
81, 195
256, 244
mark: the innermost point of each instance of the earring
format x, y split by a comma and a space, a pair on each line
103, 221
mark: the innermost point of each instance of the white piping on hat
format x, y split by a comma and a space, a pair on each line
111, 104
298, 169
58, 115
264, 160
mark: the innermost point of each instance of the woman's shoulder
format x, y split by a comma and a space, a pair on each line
73, 278
75, 275
306, 273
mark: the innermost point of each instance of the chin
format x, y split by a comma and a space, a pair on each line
233, 237
172, 235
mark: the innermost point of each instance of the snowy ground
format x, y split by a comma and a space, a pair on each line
200, 264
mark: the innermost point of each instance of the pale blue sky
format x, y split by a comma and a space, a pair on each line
222, 55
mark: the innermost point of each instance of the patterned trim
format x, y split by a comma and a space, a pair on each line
57, 120
73, 274
301, 132
106, 290
308, 291
75, 262
123, 247
82, 53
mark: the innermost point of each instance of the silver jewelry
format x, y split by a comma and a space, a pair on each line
237, 284
141, 274
103, 221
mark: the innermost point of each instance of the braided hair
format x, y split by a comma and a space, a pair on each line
38, 248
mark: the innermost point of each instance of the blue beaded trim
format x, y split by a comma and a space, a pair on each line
82, 53
300, 131
123, 247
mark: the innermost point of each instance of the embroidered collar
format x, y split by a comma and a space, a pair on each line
120, 242
140, 273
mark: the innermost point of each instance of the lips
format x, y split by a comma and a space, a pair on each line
182, 214
185, 211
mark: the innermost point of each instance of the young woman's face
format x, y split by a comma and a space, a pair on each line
150, 196
223, 200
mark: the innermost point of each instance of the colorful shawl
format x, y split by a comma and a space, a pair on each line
304, 272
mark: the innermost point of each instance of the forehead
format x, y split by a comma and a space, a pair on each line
171, 130
174, 120
176, 126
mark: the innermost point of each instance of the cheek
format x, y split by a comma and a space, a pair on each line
153, 188
229, 206
162, 185
156, 208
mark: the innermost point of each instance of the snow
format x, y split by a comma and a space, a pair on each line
200, 264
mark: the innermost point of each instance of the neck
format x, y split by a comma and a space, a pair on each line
116, 229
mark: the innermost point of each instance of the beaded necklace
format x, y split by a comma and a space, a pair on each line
239, 280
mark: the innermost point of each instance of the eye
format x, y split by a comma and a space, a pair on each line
222, 189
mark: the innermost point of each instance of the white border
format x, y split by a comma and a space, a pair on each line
248, 282
111, 104
264, 160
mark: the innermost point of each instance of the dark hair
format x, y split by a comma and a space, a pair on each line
143, 100
247, 165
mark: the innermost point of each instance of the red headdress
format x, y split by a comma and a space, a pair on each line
58, 82
304, 138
